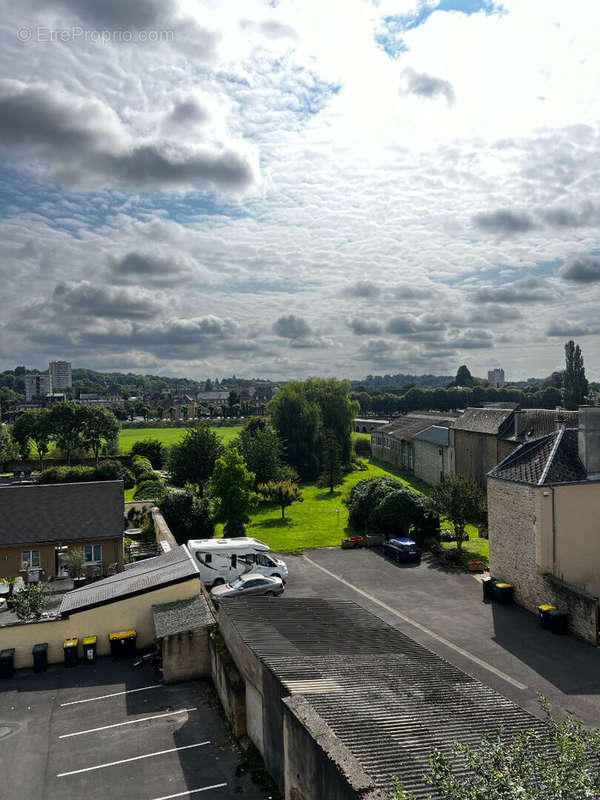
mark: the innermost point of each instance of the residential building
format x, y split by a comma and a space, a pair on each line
395, 443
104, 400
496, 378
37, 386
40, 523
60, 373
213, 398
543, 508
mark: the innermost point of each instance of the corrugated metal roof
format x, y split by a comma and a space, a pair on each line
411, 424
148, 575
63, 512
181, 616
388, 699
436, 434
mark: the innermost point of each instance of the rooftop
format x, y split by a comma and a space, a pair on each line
549, 459
411, 424
484, 420
181, 616
387, 699
435, 434
64, 512
153, 573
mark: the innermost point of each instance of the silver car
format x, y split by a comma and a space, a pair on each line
252, 583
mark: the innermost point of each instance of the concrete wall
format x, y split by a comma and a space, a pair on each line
10, 557
133, 612
431, 462
577, 518
229, 685
186, 656
162, 531
392, 450
475, 454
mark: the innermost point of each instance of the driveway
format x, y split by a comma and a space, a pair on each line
111, 731
502, 646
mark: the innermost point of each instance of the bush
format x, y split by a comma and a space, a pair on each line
140, 465
105, 471
153, 450
362, 448
187, 515
149, 490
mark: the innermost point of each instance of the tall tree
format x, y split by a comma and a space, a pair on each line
461, 502
66, 420
193, 460
337, 411
9, 449
98, 425
231, 487
463, 377
283, 493
187, 515
21, 432
332, 473
41, 433
262, 450
297, 420
575, 385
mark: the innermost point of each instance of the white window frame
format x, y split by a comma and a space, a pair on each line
27, 559
92, 548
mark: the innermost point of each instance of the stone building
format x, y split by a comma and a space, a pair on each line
432, 454
395, 443
478, 443
496, 377
543, 509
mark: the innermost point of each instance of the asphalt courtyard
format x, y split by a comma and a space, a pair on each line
109, 730
502, 646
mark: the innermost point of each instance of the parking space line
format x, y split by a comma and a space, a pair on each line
127, 760
128, 722
114, 694
191, 791
418, 625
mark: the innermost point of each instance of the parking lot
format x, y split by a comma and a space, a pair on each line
110, 730
502, 646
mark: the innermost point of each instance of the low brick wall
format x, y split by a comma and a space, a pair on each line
582, 607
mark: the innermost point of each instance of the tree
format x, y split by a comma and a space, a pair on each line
160, 412
575, 385
76, 562
41, 433
337, 411
187, 515
561, 762
234, 399
463, 377
282, 493
262, 450
9, 449
298, 422
152, 449
231, 486
184, 412
331, 462
193, 460
461, 502
30, 602
98, 425
66, 420
171, 413
21, 433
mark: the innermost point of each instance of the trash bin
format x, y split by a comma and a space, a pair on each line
40, 657
122, 643
7, 663
70, 648
488, 588
559, 621
89, 649
544, 614
503, 593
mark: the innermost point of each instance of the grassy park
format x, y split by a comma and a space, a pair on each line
168, 436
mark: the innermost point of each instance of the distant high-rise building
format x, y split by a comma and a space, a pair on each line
496, 378
37, 385
60, 374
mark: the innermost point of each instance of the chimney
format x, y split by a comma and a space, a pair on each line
520, 422
588, 440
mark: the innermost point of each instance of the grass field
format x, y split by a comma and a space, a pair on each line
129, 436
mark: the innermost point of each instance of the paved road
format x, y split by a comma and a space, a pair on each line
500, 645
108, 731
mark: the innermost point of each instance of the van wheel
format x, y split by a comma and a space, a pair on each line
218, 582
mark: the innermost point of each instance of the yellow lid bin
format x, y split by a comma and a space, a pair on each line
70, 651
89, 649
122, 635
122, 643
544, 614
71, 642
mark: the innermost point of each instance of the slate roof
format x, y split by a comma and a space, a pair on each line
549, 459
532, 423
153, 573
181, 616
484, 420
387, 699
435, 434
411, 424
65, 512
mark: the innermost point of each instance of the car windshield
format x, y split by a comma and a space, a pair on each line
237, 584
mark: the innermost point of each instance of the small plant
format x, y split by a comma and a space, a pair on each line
76, 563
30, 602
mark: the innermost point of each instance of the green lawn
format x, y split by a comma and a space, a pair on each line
167, 436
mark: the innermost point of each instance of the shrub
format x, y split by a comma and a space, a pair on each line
153, 450
187, 515
149, 490
67, 475
139, 465
362, 448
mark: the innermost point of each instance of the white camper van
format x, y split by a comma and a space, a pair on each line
223, 560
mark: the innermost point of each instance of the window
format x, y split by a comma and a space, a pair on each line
30, 558
207, 559
264, 561
93, 553
234, 561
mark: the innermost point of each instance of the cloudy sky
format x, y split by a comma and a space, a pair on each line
279, 189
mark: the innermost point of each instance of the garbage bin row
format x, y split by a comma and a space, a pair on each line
122, 645
550, 617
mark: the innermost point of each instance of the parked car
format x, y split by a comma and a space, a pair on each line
402, 550
250, 584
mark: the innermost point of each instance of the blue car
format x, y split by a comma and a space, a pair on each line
402, 550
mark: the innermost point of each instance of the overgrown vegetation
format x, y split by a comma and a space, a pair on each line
29, 603
105, 471
187, 514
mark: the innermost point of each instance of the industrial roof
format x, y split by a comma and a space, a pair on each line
387, 699
153, 573
435, 434
63, 512
181, 616
549, 459
484, 420
411, 424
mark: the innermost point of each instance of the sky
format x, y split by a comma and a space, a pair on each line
300, 187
